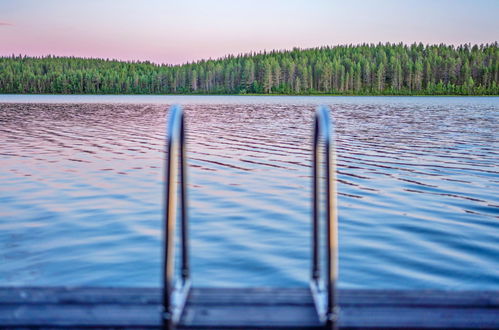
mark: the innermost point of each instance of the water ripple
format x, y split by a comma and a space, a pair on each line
417, 177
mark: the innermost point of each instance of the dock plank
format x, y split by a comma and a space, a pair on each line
209, 308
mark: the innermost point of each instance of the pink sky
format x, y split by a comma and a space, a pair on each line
175, 32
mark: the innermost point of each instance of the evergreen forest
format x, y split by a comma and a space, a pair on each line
368, 69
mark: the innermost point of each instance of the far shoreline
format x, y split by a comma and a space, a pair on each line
266, 95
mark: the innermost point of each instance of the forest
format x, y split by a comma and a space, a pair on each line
367, 69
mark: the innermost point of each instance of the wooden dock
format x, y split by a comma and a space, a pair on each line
209, 308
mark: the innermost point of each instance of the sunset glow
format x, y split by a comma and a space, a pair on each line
181, 31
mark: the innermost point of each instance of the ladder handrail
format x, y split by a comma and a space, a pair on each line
175, 294
325, 297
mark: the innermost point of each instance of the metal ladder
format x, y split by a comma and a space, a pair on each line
176, 292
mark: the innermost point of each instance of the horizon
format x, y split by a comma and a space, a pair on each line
171, 33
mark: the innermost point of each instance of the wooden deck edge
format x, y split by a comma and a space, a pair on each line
85, 307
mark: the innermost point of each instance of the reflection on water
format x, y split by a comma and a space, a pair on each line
418, 180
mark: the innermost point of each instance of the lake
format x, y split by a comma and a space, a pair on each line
82, 186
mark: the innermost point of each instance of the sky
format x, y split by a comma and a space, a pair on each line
180, 31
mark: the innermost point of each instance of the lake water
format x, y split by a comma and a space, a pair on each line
81, 190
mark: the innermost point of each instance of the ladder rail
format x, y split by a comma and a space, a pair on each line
324, 295
175, 293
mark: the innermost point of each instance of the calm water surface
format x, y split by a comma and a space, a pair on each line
81, 190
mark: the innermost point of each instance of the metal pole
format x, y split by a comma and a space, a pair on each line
327, 309
332, 221
185, 224
315, 205
332, 251
175, 128
169, 230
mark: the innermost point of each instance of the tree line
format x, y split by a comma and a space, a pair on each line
367, 69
